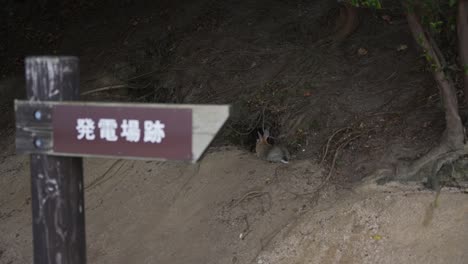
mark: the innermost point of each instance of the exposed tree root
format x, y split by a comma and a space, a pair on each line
345, 25
327, 146
431, 163
341, 19
347, 22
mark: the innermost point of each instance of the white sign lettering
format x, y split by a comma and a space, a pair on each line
130, 130
154, 131
108, 128
85, 128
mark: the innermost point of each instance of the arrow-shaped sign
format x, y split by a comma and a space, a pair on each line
122, 130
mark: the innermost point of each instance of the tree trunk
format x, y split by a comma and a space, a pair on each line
454, 134
351, 22
452, 142
462, 30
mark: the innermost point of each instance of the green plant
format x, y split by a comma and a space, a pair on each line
367, 3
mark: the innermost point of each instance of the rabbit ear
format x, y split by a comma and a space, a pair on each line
259, 135
266, 134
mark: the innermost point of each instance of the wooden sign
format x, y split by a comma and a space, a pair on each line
58, 133
135, 131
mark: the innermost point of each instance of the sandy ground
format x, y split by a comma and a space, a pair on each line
233, 208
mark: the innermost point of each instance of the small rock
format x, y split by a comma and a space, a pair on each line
402, 47
387, 19
362, 51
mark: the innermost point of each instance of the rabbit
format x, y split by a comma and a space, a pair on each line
268, 152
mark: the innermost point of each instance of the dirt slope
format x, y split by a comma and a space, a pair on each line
232, 208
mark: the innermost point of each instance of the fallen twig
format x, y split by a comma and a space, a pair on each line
337, 152
106, 88
249, 195
328, 143
247, 229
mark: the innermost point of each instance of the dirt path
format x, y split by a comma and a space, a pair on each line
232, 207
393, 224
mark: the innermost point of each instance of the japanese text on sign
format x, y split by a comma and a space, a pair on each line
153, 131
123, 130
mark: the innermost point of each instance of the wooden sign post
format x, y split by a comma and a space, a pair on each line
56, 182
57, 131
